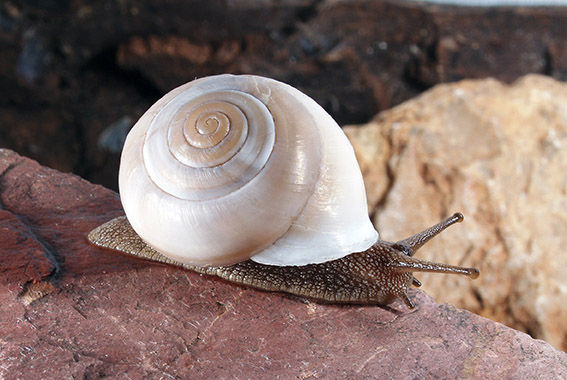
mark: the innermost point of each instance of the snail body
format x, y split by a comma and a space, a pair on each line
249, 179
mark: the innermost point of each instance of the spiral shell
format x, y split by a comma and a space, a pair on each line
227, 168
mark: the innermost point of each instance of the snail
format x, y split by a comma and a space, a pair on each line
249, 179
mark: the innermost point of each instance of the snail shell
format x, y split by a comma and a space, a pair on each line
227, 168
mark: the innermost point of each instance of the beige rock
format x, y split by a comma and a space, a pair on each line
497, 153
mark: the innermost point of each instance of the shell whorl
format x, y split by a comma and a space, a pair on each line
216, 143
229, 167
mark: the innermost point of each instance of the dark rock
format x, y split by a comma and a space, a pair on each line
24, 258
70, 69
98, 313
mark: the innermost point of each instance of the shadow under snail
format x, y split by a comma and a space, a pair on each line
249, 179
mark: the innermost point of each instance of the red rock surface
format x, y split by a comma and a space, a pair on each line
70, 310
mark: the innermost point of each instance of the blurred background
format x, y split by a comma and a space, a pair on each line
75, 75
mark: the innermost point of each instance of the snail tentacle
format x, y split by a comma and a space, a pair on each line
416, 241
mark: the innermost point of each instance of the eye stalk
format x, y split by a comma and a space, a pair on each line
409, 246
416, 241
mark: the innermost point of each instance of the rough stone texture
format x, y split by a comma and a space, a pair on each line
70, 310
76, 74
497, 153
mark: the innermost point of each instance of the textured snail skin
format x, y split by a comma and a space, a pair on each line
376, 276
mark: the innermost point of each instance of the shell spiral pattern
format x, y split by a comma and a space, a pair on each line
229, 167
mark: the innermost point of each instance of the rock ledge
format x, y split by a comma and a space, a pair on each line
70, 310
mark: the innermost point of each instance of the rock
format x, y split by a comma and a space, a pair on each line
71, 310
497, 153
